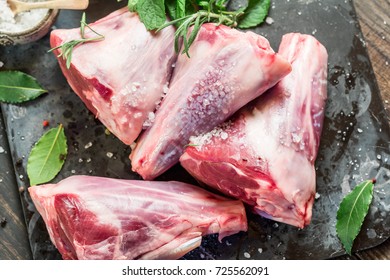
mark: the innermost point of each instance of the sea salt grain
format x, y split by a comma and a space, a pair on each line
269, 20
88, 145
20, 22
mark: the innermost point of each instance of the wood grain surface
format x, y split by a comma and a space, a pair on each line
374, 19
13, 233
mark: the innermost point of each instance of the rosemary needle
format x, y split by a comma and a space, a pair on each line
67, 47
196, 20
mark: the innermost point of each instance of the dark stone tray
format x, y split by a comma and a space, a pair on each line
354, 146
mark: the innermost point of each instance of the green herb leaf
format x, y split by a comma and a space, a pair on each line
66, 49
190, 7
195, 30
221, 4
17, 87
47, 157
254, 14
170, 5
132, 4
180, 8
204, 4
151, 13
353, 209
83, 23
187, 13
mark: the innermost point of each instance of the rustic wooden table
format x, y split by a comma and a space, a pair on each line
374, 18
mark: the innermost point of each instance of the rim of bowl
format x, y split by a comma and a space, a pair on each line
34, 28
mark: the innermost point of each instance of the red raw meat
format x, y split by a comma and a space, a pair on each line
122, 78
265, 156
102, 218
227, 69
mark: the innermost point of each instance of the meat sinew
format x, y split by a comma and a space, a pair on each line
265, 156
102, 218
120, 79
227, 69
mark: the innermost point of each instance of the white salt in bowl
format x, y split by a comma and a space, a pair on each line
30, 34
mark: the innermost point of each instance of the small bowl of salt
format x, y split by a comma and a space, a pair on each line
25, 27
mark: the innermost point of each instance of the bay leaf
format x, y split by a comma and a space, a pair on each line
47, 156
352, 211
254, 14
18, 87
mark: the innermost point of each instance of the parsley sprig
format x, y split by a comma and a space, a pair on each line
67, 47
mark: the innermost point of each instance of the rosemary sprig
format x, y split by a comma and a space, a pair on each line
67, 47
189, 15
196, 20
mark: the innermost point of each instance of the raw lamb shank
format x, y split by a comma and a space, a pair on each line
227, 69
102, 218
265, 156
121, 79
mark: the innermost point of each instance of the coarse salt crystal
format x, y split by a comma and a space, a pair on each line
151, 116
224, 135
269, 20
89, 145
22, 21
166, 88
149, 121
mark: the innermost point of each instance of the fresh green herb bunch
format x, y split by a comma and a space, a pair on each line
187, 14
184, 14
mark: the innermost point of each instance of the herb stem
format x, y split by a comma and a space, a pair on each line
66, 48
221, 18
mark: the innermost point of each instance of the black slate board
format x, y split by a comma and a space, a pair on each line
354, 146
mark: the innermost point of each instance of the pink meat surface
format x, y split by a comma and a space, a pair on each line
227, 69
102, 218
265, 156
121, 79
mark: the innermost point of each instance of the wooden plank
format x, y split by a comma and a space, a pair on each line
381, 252
374, 19
14, 242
